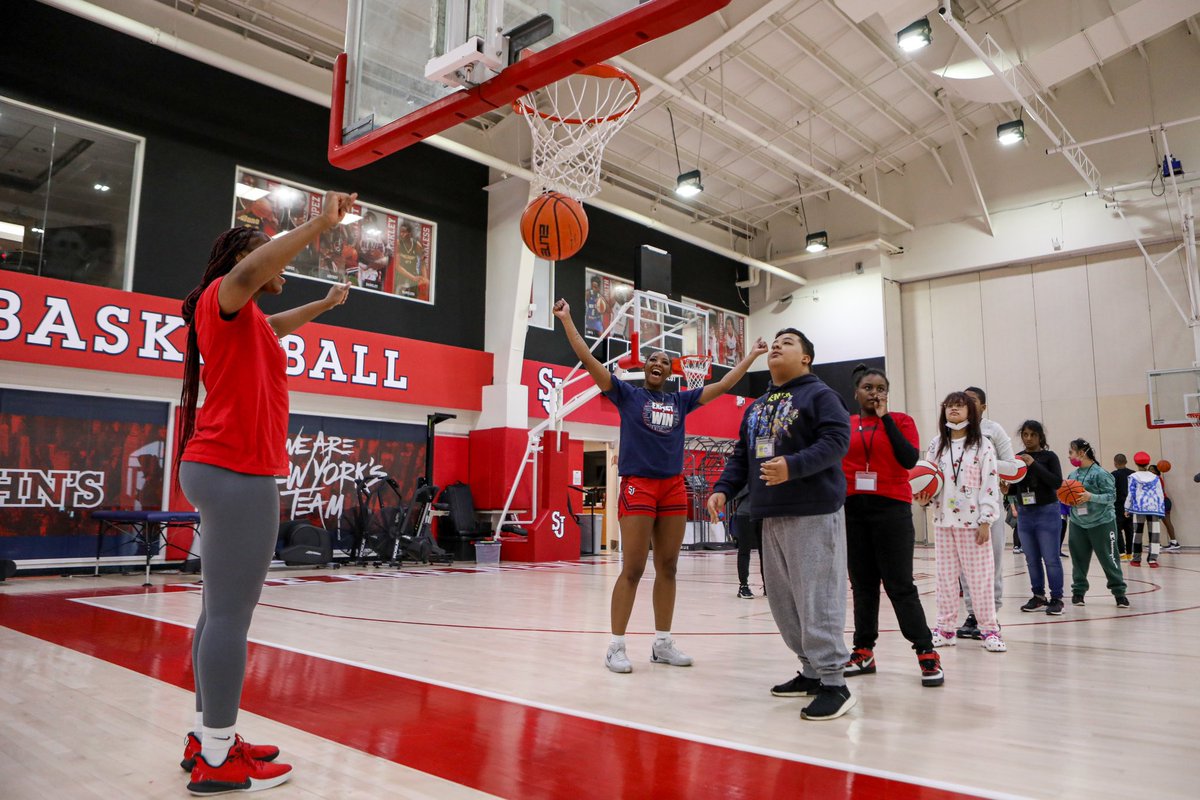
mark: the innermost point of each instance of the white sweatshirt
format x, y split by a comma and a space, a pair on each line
1006, 460
972, 499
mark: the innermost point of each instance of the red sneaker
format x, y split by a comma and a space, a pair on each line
862, 662
259, 752
238, 773
931, 668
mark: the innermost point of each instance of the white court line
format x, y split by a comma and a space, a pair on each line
729, 745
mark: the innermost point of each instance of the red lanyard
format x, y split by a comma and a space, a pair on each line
867, 446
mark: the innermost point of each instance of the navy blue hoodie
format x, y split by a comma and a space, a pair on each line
809, 426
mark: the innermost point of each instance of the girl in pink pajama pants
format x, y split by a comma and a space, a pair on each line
964, 510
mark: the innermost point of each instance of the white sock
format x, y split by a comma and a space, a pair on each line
618, 640
199, 727
662, 636
215, 744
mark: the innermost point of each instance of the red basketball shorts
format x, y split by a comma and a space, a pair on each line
652, 497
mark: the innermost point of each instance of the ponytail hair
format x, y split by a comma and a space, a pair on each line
221, 261
1085, 447
862, 370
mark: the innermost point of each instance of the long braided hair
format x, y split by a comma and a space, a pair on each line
224, 256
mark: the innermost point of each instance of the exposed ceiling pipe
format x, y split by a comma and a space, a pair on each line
155, 36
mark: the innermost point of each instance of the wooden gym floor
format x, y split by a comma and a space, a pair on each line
456, 683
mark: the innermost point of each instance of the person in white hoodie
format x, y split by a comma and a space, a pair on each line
964, 510
1147, 504
1006, 464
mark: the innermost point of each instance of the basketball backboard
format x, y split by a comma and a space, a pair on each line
1174, 394
413, 68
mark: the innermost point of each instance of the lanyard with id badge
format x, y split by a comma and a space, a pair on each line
865, 480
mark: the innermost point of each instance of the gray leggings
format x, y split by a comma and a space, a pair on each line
239, 525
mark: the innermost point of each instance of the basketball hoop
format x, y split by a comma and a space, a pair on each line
1194, 418
571, 121
696, 370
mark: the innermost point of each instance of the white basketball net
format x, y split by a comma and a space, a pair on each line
571, 121
695, 370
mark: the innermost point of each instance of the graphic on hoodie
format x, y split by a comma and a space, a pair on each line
1145, 495
772, 418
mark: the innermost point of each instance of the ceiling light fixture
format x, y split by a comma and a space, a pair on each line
688, 183
1008, 133
101, 187
915, 36
816, 242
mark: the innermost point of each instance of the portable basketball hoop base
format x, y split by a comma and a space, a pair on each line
645, 23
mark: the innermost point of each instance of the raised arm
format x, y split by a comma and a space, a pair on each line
286, 322
714, 390
263, 263
599, 373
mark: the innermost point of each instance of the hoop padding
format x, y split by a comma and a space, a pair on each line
696, 370
1194, 418
571, 121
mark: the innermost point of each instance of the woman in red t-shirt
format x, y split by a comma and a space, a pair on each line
879, 528
232, 450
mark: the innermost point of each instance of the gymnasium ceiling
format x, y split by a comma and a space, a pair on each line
779, 100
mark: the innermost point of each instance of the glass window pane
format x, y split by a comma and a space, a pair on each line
71, 187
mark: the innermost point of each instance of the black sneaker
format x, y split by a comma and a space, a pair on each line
1122, 602
1035, 603
862, 662
969, 629
1055, 608
798, 686
744, 592
1077, 600
831, 703
931, 668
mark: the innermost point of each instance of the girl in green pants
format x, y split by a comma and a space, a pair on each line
1093, 526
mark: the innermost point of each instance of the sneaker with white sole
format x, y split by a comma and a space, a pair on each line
943, 638
665, 652
258, 752
862, 662
744, 593
1122, 601
616, 660
831, 703
237, 773
1173, 547
993, 643
798, 686
931, 668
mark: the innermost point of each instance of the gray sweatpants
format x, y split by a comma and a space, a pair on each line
239, 525
997, 556
805, 560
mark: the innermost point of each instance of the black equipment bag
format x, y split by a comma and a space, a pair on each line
303, 543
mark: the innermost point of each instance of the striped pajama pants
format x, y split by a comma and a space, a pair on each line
955, 553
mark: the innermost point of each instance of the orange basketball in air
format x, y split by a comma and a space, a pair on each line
1070, 493
554, 226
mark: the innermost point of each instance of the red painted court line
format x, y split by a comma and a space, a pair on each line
503, 748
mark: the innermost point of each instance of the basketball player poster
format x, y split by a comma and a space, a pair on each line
603, 295
63, 456
726, 334
375, 249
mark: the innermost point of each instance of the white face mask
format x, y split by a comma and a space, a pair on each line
958, 426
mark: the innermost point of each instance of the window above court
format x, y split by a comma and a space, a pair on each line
68, 196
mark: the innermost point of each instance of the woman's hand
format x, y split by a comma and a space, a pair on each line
984, 533
337, 294
774, 472
716, 506
1085, 497
924, 498
562, 309
1028, 459
881, 406
335, 206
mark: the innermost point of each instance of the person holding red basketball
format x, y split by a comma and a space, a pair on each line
1093, 525
653, 504
1146, 504
964, 511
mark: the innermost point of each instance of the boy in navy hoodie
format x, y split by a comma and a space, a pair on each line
789, 453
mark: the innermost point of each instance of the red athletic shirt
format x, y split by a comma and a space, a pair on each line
242, 425
891, 478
